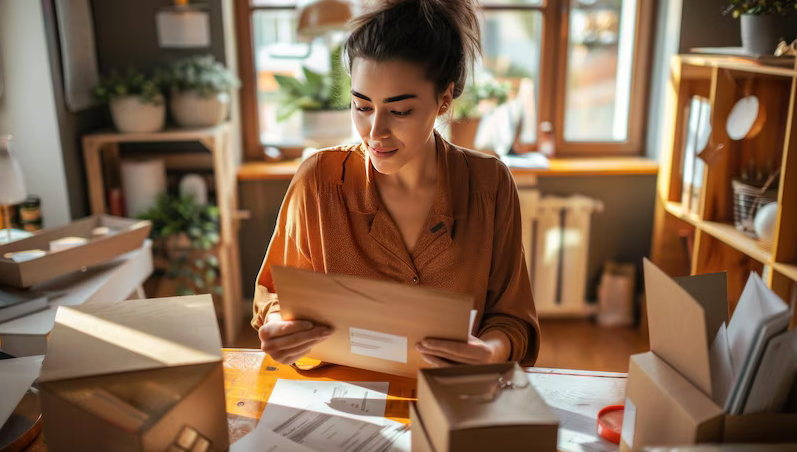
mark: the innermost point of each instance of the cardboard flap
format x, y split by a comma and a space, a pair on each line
711, 292
677, 324
107, 338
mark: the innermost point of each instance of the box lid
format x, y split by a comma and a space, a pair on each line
132, 335
684, 315
510, 407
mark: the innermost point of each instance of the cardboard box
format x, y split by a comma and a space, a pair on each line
728, 448
127, 236
370, 330
669, 391
464, 409
142, 375
419, 438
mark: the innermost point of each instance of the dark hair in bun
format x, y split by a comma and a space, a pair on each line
441, 35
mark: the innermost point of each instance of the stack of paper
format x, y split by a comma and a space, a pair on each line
754, 358
327, 416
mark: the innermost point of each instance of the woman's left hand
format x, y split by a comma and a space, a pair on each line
442, 353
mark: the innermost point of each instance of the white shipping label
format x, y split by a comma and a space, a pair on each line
378, 345
629, 423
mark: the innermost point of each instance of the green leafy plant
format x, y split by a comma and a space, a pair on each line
129, 83
202, 74
185, 234
317, 91
479, 96
760, 7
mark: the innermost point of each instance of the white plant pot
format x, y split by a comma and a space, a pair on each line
327, 126
131, 115
192, 110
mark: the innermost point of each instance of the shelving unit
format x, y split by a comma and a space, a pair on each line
718, 245
101, 154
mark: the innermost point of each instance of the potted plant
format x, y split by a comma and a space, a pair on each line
477, 99
185, 236
322, 98
199, 89
136, 101
764, 23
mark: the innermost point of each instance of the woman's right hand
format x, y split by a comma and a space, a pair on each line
287, 341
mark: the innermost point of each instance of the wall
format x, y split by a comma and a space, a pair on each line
28, 106
682, 25
127, 36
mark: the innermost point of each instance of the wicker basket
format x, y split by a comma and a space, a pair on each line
747, 198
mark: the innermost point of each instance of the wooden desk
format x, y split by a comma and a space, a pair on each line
250, 376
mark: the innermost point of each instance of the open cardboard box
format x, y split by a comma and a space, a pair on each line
462, 409
137, 375
128, 235
669, 391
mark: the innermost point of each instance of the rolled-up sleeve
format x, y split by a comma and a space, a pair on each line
509, 306
290, 245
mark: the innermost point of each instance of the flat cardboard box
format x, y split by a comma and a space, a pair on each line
137, 375
457, 417
129, 235
376, 324
669, 389
727, 448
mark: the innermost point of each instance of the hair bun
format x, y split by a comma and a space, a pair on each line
442, 35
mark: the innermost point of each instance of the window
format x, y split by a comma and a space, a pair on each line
584, 60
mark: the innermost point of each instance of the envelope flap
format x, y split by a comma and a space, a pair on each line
106, 338
677, 325
711, 292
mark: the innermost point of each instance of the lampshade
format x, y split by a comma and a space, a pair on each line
12, 185
317, 17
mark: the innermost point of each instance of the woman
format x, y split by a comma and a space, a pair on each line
405, 205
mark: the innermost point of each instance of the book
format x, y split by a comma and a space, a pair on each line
17, 303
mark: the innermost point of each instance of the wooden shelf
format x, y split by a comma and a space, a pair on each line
737, 64
787, 270
736, 239
678, 210
720, 246
620, 166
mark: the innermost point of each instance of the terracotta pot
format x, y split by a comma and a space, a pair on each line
131, 115
190, 109
463, 132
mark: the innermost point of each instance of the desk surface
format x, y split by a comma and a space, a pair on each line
250, 376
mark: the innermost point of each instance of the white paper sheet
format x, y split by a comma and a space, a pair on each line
775, 375
16, 375
265, 440
576, 401
332, 416
721, 368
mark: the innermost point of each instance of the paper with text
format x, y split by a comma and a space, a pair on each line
265, 440
334, 416
378, 345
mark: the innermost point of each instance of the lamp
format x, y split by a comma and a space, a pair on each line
317, 17
12, 184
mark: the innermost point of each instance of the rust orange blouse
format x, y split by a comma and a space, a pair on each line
332, 220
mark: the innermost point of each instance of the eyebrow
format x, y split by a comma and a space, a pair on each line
387, 100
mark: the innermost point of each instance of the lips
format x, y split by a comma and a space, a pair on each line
382, 151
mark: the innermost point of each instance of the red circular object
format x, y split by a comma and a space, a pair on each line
610, 423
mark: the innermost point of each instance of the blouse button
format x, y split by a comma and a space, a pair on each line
415, 279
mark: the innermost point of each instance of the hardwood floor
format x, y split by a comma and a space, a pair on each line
566, 344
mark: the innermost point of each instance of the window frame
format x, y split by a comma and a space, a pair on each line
550, 107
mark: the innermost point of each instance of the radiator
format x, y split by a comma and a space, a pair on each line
556, 243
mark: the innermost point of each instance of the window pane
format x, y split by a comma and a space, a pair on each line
511, 42
600, 58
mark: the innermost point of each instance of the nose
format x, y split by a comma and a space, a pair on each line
380, 125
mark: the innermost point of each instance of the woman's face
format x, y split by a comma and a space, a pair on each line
394, 108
